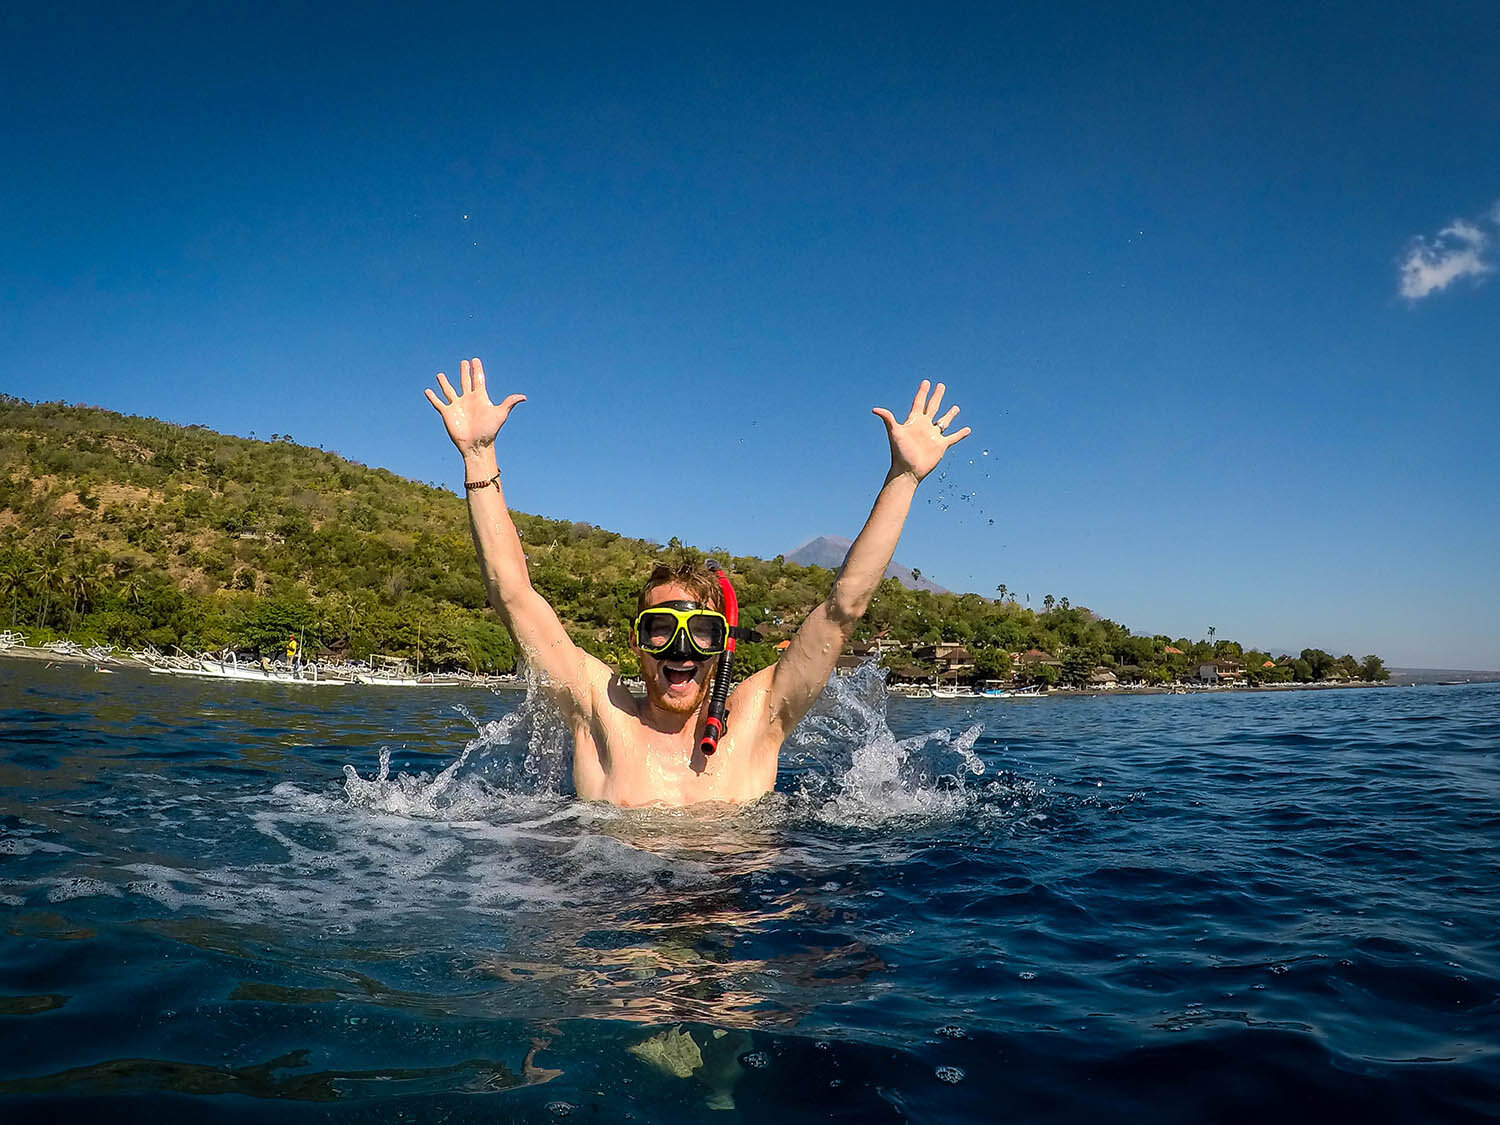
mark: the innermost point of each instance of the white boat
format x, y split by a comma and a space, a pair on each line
374, 679
953, 693
228, 667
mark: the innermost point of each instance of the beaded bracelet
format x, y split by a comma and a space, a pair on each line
471, 485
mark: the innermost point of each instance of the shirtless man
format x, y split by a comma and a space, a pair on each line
637, 752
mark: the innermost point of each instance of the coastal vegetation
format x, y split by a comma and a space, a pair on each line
132, 532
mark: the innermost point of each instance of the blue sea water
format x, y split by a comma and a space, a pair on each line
237, 902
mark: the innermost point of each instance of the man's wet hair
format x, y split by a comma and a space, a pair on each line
692, 576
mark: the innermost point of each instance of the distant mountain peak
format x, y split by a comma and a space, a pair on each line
830, 551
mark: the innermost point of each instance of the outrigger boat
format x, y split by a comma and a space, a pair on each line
227, 667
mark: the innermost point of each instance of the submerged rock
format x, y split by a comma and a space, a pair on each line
674, 1051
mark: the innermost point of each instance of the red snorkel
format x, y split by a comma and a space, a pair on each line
714, 725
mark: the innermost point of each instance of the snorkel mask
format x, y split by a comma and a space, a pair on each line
680, 631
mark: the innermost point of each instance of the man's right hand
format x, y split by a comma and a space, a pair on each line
471, 419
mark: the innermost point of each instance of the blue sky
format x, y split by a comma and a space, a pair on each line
1215, 285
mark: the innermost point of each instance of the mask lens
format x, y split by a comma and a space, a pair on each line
655, 630
706, 631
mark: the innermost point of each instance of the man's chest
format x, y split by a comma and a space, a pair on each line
642, 768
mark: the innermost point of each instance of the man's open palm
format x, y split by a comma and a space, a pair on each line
918, 444
472, 420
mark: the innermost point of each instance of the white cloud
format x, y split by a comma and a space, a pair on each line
1461, 249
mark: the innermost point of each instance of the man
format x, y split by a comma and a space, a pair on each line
636, 752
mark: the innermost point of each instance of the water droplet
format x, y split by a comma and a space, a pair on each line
1028, 975
757, 1060
557, 1109
985, 453
951, 1031
952, 1075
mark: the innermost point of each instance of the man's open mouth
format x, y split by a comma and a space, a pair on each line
678, 675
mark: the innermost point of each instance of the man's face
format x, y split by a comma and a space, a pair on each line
675, 685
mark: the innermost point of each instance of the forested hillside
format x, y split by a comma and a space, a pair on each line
132, 531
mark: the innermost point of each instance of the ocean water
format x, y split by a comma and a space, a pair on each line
261, 902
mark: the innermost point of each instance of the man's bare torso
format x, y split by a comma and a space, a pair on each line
618, 757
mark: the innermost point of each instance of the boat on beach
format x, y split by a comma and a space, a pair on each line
377, 679
227, 666
953, 693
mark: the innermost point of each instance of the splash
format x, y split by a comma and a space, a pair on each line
843, 766
523, 757
882, 778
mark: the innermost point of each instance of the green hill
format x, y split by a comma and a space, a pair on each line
132, 531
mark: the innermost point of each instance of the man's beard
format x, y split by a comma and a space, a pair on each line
676, 704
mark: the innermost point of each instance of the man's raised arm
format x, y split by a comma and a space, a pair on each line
917, 445
473, 422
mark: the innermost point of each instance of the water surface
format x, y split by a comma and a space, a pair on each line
245, 902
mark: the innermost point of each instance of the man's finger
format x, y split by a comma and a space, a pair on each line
478, 369
947, 419
936, 400
447, 387
919, 401
433, 398
885, 416
510, 403
465, 378
954, 439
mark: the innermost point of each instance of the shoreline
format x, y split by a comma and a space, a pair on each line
115, 660
130, 660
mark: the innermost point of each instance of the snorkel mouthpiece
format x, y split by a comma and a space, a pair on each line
717, 721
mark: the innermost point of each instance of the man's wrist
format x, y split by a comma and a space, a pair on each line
481, 464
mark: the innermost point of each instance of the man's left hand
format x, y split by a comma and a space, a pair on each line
918, 444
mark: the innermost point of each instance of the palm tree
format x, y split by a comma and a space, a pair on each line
1064, 603
12, 581
83, 581
47, 576
1002, 591
132, 586
1049, 601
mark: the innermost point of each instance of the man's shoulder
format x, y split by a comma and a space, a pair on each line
616, 694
